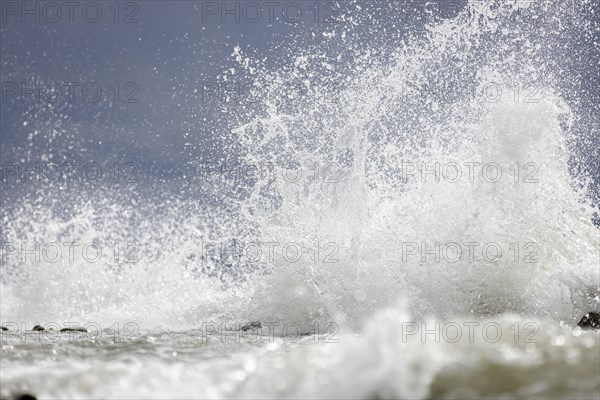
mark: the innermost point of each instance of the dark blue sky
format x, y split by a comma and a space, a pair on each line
159, 53
151, 58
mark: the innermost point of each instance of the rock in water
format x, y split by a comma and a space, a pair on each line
25, 396
590, 320
251, 326
38, 328
74, 329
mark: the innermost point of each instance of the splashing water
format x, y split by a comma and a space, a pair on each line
354, 175
396, 169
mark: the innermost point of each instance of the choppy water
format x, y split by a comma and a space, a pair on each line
342, 226
389, 359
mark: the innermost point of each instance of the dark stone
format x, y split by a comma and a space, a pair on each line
3, 328
74, 329
590, 320
251, 326
38, 328
25, 396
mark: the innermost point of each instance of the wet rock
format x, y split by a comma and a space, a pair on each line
74, 329
38, 328
251, 326
25, 396
590, 320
